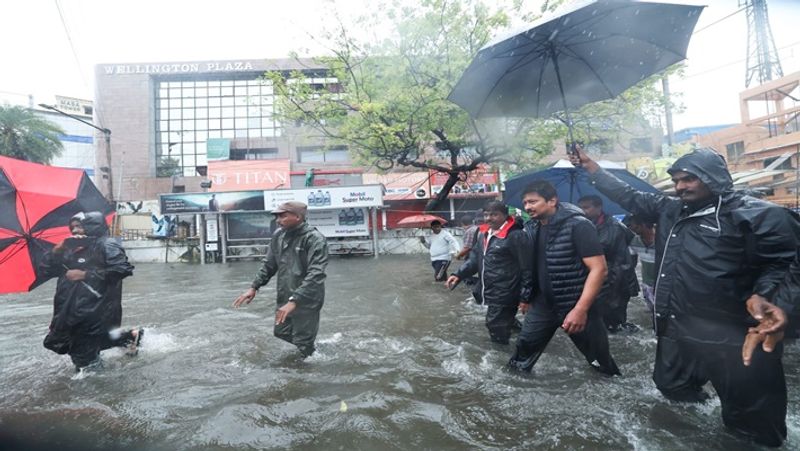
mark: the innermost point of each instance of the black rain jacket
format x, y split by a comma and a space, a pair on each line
503, 265
711, 259
86, 307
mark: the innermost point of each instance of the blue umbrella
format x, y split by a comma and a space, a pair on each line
572, 183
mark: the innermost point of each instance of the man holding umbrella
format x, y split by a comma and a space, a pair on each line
721, 255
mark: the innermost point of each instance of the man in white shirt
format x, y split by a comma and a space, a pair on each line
442, 246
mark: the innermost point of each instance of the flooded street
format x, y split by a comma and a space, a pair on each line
402, 363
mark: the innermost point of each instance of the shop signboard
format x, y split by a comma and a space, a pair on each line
327, 198
250, 226
218, 149
402, 185
214, 202
240, 175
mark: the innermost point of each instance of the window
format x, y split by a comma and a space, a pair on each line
735, 151
254, 154
318, 154
189, 112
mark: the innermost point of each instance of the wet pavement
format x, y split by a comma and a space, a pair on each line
402, 363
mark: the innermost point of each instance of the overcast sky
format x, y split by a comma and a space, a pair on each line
38, 58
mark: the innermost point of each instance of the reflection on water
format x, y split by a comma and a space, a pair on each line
410, 360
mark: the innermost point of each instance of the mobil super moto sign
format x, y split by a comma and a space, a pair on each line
328, 198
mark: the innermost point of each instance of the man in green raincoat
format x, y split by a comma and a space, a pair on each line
298, 255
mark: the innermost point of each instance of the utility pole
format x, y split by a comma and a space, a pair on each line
667, 108
762, 56
107, 136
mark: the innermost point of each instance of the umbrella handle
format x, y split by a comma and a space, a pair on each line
554, 56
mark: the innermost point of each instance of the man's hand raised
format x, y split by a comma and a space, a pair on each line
579, 159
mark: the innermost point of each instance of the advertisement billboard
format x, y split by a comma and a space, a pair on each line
328, 197
213, 202
340, 222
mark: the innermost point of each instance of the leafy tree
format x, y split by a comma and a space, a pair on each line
385, 92
26, 136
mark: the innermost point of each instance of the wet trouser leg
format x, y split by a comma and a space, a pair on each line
592, 341
499, 319
440, 269
753, 398
538, 327
300, 328
677, 373
85, 350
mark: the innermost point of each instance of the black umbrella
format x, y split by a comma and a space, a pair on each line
589, 53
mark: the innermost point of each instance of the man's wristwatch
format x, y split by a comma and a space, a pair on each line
292, 299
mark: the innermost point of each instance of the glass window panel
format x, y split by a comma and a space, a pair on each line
242, 100
201, 134
311, 156
163, 92
337, 155
201, 92
188, 114
188, 125
187, 84
254, 90
227, 134
240, 82
175, 92
215, 113
163, 103
241, 111
241, 123
201, 157
227, 123
214, 134
226, 91
276, 132
227, 101
226, 82
175, 113
188, 103
254, 132
174, 103
187, 92
240, 133
201, 113
175, 125
214, 101
227, 111
254, 122
213, 124
268, 132
188, 161
188, 136
266, 89
164, 137
213, 91
254, 111
240, 91
173, 84
163, 125
201, 102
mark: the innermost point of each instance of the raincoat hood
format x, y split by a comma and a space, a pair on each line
94, 224
709, 167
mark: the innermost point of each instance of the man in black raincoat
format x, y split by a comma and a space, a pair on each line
297, 257
90, 267
720, 256
502, 262
615, 238
569, 271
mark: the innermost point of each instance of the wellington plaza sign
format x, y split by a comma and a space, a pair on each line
178, 68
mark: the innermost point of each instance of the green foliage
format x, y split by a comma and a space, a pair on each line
389, 75
26, 136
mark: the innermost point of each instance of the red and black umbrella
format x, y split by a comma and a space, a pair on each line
36, 204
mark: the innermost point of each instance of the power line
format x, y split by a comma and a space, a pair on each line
720, 20
731, 63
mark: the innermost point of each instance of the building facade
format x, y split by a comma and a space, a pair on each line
164, 116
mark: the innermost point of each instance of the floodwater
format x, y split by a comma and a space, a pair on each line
402, 363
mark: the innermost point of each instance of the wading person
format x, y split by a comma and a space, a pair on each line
614, 237
644, 247
442, 247
720, 256
90, 267
569, 269
500, 258
298, 256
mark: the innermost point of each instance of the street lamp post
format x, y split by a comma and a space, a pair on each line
106, 134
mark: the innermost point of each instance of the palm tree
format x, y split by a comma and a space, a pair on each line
26, 136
